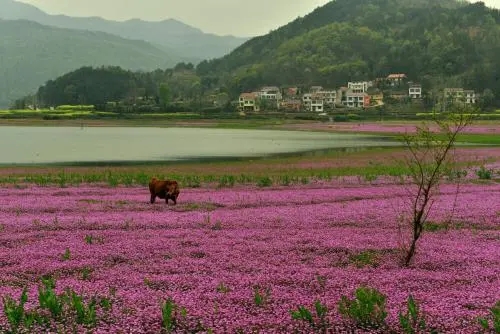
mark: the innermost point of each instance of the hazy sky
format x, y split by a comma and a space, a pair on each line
236, 17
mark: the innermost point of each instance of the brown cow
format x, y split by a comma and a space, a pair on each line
164, 189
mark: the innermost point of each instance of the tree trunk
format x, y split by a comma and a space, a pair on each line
410, 253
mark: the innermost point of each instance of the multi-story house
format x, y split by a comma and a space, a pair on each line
396, 79
341, 95
313, 102
415, 91
317, 103
470, 96
306, 101
359, 87
357, 100
460, 95
249, 102
270, 93
329, 97
377, 97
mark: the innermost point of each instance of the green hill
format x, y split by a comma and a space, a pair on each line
190, 43
31, 54
437, 43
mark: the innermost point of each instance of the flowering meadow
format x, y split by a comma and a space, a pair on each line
241, 260
389, 127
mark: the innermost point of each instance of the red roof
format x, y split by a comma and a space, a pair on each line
396, 76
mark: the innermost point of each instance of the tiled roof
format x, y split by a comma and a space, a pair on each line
396, 76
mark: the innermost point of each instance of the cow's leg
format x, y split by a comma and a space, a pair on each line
153, 197
174, 198
166, 199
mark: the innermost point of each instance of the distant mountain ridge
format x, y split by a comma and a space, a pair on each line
31, 54
36, 46
172, 35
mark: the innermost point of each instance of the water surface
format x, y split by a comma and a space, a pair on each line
42, 145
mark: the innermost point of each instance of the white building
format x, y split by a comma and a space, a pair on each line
360, 86
317, 103
313, 102
249, 102
460, 95
470, 96
329, 97
415, 91
357, 100
270, 93
306, 101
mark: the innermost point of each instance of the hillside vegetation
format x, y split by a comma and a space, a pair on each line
32, 53
444, 43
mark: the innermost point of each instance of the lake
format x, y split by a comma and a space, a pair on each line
42, 145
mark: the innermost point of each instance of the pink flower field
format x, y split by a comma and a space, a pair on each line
209, 253
389, 127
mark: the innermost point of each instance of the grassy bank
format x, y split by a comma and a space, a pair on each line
366, 165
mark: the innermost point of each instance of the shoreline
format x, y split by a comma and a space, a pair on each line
373, 127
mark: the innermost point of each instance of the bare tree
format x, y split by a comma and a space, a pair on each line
429, 159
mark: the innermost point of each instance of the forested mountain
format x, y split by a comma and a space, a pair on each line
435, 42
31, 54
191, 44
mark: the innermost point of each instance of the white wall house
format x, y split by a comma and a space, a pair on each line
249, 102
270, 93
470, 96
415, 91
329, 97
460, 95
360, 86
317, 103
306, 101
313, 102
355, 100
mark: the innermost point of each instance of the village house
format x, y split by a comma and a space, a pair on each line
306, 100
396, 79
317, 103
377, 97
291, 105
329, 97
249, 102
270, 93
460, 95
357, 100
341, 95
313, 102
415, 91
359, 87
470, 96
